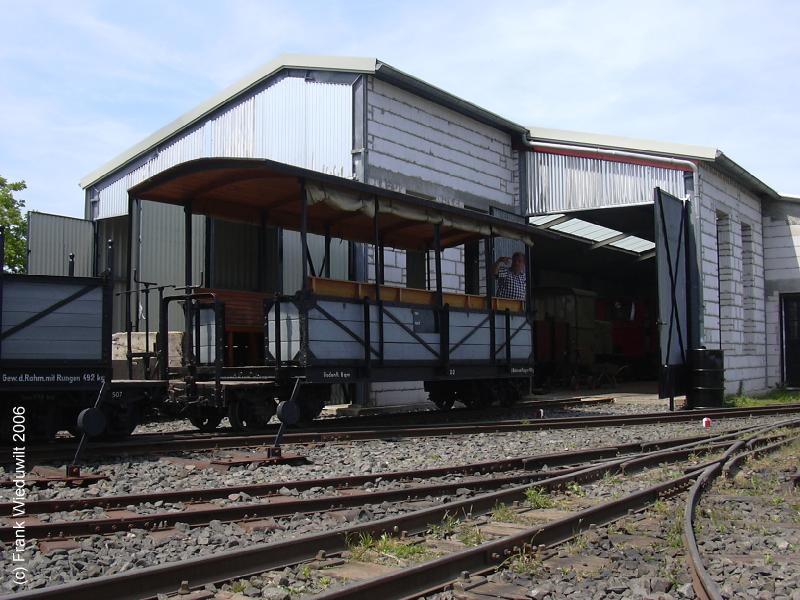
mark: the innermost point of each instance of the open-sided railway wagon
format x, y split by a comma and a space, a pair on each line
244, 353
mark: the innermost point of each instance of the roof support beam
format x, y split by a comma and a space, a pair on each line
646, 256
557, 221
608, 241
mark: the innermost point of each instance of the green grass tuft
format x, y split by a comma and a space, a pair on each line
538, 498
776, 396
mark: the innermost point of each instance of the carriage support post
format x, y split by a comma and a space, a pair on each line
188, 346
488, 256
304, 232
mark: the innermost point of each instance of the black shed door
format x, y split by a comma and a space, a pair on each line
791, 339
674, 264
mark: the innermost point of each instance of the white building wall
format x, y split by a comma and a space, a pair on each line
781, 227
734, 308
417, 146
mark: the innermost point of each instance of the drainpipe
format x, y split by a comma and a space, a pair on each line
666, 160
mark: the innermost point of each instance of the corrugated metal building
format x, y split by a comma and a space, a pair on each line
361, 118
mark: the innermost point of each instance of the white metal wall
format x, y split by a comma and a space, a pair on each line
304, 123
419, 146
734, 313
51, 238
563, 183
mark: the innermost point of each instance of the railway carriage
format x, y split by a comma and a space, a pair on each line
331, 332
248, 354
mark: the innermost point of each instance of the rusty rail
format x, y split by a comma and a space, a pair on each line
166, 445
704, 585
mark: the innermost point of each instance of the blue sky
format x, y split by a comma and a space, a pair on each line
80, 81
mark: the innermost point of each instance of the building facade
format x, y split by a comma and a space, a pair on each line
360, 118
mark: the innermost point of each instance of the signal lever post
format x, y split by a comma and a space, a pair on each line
91, 421
289, 414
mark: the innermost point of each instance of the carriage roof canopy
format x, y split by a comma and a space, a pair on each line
250, 190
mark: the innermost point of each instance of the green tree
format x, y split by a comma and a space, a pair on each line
16, 226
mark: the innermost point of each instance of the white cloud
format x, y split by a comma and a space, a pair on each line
84, 80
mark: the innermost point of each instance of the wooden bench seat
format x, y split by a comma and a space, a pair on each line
356, 290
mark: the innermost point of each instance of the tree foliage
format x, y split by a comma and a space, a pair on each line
15, 225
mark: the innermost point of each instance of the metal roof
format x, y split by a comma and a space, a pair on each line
345, 64
373, 66
592, 233
598, 140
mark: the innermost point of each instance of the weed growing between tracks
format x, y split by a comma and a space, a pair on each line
537, 498
526, 562
368, 548
470, 535
445, 528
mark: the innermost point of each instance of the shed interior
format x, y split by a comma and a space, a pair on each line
596, 295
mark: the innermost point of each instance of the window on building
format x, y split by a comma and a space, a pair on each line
725, 280
748, 284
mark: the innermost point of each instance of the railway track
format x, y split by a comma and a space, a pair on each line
705, 586
165, 444
324, 550
268, 501
430, 417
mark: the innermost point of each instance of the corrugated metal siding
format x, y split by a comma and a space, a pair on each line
115, 229
563, 183
162, 253
293, 267
235, 256
303, 123
51, 238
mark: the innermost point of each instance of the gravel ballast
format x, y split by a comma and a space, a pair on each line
107, 555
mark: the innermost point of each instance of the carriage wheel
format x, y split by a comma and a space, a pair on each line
207, 421
442, 397
121, 420
245, 415
509, 394
493, 392
474, 396
312, 400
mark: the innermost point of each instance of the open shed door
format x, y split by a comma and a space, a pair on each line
675, 267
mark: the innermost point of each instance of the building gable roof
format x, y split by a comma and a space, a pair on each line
343, 64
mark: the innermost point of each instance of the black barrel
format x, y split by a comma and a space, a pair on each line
706, 378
